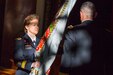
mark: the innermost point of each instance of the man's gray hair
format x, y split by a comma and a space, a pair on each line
88, 8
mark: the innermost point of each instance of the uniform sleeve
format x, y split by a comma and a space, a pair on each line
69, 43
18, 52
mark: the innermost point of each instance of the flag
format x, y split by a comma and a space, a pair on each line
53, 36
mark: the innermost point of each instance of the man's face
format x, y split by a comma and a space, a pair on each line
33, 28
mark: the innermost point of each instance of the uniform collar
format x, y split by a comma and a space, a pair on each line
87, 22
26, 37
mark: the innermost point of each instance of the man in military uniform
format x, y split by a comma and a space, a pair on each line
87, 49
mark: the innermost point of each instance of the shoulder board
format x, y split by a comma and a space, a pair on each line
19, 38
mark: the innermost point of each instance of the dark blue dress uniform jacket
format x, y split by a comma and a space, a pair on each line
24, 52
87, 50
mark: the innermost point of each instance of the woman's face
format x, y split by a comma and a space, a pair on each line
33, 28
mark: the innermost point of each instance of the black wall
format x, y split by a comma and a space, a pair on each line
2, 10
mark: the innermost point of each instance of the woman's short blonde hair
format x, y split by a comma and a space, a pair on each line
28, 19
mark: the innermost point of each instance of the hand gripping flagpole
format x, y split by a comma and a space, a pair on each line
53, 35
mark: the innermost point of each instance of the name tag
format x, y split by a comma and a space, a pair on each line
28, 47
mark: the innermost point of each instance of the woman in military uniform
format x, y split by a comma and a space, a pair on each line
25, 47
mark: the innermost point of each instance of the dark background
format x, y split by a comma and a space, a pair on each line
13, 12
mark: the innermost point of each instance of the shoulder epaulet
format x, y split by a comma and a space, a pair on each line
19, 38
71, 26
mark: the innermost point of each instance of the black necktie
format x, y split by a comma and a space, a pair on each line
34, 42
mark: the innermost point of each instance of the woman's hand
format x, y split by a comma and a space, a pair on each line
35, 64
